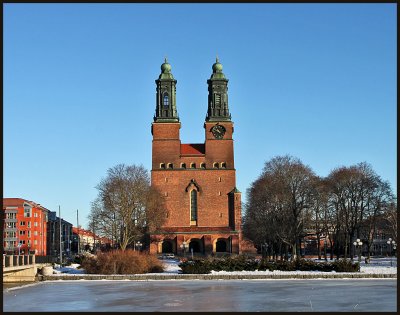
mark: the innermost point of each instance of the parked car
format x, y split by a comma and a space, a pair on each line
167, 256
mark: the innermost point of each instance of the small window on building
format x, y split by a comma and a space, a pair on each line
35, 233
27, 211
162, 165
11, 215
223, 165
183, 165
166, 100
166, 194
170, 165
35, 215
21, 232
29, 224
35, 242
11, 225
29, 233
215, 165
22, 223
203, 165
193, 165
35, 224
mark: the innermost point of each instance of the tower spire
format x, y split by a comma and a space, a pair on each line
218, 109
166, 98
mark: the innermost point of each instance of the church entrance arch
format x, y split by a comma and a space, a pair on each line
221, 246
197, 246
167, 247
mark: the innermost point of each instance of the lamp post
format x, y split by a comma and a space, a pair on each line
138, 245
392, 243
184, 246
358, 244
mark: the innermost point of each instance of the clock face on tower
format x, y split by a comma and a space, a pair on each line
218, 131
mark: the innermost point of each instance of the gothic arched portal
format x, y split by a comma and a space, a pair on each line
220, 245
167, 247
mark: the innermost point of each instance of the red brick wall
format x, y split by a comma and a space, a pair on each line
217, 217
219, 150
212, 199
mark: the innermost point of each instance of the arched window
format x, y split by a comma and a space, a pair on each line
170, 165
202, 165
193, 206
183, 165
215, 165
166, 99
223, 165
162, 165
193, 165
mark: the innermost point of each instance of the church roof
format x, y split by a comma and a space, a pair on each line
193, 149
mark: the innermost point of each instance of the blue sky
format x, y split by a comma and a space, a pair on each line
316, 81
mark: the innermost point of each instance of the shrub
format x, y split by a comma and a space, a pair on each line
241, 262
306, 265
121, 262
345, 265
197, 266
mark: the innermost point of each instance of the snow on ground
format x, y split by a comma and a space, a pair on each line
71, 269
376, 266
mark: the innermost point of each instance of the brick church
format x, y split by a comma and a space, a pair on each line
197, 180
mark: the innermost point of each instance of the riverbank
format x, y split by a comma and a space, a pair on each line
378, 268
225, 276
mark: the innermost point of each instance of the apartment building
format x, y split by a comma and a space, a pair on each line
25, 228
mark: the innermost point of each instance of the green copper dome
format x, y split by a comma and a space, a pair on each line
165, 67
217, 67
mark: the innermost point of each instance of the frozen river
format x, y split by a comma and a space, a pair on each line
204, 295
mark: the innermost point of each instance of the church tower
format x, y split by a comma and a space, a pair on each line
166, 125
166, 96
196, 180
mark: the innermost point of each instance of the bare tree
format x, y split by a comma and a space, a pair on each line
391, 217
320, 216
358, 196
379, 203
127, 207
280, 201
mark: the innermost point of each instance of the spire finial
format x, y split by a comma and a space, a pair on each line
216, 59
165, 59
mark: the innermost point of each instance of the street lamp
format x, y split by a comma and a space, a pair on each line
358, 244
138, 245
392, 243
184, 246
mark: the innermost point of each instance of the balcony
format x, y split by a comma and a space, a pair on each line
10, 229
11, 239
10, 220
